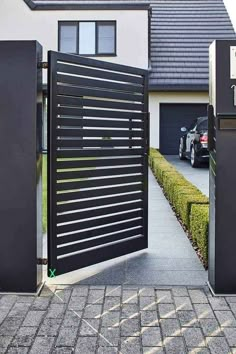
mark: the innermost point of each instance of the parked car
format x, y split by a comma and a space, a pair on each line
193, 144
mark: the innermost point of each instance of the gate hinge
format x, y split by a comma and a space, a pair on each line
43, 65
42, 261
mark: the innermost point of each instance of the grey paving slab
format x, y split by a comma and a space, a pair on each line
198, 176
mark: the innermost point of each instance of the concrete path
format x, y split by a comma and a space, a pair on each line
118, 319
169, 260
197, 176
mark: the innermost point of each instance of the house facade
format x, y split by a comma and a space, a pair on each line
170, 38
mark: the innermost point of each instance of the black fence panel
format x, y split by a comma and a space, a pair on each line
98, 139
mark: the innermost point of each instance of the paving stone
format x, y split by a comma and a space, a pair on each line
56, 311
67, 337
151, 336
230, 299
33, 318
218, 345
7, 301
96, 296
211, 328
93, 311
24, 337
17, 350
180, 291
174, 345
167, 311
10, 326
218, 304
86, 345
183, 303
19, 310
188, 319
146, 292
204, 311
230, 334
63, 350
164, 296
130, 327
112, 303
109, 337
198, 351
113, 290
76, 303
130, 311
149, 319
72, 319
48, 291
25, 299
42, 345
107, 350
3, 315
80, 291
198, 296
153, 350
130, 296
50, 327
226, 318
111, 319
147, 303
61, 296
170, 327
41, 303
131, 345
4, 342
194, 337
89, 327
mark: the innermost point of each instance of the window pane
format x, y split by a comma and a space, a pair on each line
106, 38
68, 38
87, 38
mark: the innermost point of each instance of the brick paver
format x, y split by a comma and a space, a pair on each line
118, 319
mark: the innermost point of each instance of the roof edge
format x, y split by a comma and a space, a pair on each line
103, 6
181, 88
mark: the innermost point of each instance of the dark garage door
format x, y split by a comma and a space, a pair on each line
172, 118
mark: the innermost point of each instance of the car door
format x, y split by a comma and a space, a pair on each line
190, 136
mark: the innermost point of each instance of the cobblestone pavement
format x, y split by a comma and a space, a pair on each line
118, 319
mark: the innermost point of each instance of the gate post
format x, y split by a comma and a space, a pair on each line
222, 147
21, 166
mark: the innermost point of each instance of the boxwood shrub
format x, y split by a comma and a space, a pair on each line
184, 197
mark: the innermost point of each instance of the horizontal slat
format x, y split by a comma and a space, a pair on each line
86, 102
66, 164
60, 208
99, 172
98, 192
99, 241
99, 231
75, 143
80, 112
105, 84
102, 182
79, 215
74, 91
103, 123
98, 152
98, 133
99, 221
101, 74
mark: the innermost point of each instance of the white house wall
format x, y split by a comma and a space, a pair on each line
19, 22
156, 98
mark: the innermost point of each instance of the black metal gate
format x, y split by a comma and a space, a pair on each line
97, 161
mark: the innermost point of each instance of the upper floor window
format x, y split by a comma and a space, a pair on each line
88, 37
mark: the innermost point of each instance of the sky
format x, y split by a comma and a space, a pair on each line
231, 8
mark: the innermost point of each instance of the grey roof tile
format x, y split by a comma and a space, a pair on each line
181, 32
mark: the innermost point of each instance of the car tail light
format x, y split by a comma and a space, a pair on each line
204, 139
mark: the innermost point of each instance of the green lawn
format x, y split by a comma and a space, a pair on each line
44, 193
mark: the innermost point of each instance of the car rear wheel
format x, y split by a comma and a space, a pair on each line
193, 158
181, 154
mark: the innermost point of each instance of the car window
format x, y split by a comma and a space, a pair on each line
203, 125
193, 125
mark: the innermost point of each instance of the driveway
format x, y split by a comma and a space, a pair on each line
197, 176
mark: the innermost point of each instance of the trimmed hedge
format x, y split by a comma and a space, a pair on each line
183, 195
199, 224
